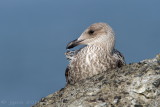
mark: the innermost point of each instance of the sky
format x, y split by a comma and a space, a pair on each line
34, 35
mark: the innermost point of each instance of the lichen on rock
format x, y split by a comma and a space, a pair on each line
133, 85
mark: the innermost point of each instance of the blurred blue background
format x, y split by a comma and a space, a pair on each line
34, 34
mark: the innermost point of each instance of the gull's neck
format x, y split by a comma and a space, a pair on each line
106, 44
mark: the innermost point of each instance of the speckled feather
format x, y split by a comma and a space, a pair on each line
98, 56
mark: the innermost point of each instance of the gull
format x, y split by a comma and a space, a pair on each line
98, 55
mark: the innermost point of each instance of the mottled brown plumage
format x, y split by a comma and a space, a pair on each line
97, 56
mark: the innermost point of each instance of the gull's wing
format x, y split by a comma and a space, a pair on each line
118, 55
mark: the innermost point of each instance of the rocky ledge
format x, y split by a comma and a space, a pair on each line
133, 85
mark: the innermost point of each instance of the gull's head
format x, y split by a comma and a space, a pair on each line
96, 34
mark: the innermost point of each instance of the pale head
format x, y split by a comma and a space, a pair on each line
96, 34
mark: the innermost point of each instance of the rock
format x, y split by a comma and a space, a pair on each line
133, 85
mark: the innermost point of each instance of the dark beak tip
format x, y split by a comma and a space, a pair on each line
72, 44
68, 47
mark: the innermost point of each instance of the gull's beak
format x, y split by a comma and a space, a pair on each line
73, 43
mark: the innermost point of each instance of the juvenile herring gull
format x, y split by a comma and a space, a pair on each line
97, 56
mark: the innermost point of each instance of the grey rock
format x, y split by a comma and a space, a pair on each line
133, 85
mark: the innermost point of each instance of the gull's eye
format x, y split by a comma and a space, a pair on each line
90, 32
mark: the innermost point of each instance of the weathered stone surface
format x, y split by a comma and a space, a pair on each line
134, 85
